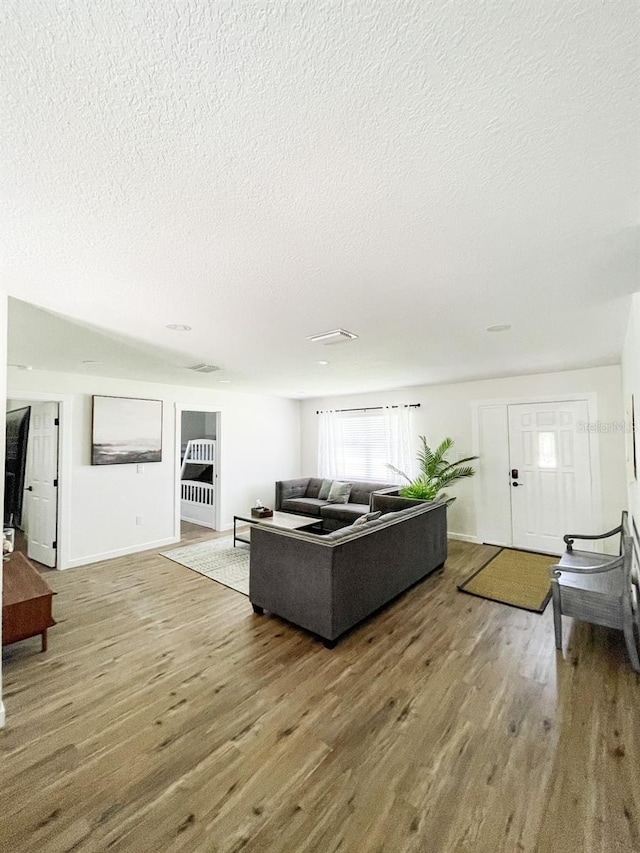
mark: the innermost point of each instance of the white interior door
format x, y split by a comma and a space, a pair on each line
41, 483
550, 462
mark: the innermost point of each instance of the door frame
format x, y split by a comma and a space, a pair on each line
504, 536
65, 409
195, 407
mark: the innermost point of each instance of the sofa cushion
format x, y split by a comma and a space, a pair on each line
313, 489
361, 492
325, 488
304, 506
339, 493
346, 513
363, 519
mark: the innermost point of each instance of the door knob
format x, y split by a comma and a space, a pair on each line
514, 484
29, 489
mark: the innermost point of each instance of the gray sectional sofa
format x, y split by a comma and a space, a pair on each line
329, 583
301, 496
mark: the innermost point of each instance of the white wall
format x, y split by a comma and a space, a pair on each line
446, 410
260, 443
631, 386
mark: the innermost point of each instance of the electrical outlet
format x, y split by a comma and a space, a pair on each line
138, 520
140, 469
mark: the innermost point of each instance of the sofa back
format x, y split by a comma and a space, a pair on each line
329, 583
350, 532
393, 502
361, 490
396, 552
309, 487
313, 487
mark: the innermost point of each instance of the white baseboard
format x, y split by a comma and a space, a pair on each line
120, 552
463, 537
2, 717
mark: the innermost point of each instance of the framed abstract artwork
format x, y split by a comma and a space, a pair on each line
126, 430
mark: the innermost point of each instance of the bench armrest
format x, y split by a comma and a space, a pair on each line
570, 537
609, 566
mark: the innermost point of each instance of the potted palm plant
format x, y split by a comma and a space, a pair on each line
436, 473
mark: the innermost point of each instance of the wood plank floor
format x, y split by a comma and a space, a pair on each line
166, 716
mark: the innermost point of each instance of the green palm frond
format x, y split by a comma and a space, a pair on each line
436, 472
443, 448
461, 461
398, 471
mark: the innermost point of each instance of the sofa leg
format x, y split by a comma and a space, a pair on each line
257, 609
329, 644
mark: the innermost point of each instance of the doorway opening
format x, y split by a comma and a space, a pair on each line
198, 461
31, 478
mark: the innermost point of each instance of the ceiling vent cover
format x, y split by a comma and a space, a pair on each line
204, 368
337, 336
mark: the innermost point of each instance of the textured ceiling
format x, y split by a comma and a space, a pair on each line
411, 170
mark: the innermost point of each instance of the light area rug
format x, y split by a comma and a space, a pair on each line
519, 578
216, 559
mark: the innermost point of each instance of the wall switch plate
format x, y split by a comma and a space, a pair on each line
138, 520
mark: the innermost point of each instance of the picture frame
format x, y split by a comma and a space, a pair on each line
634, 445
630, 439
125, 430
17, 436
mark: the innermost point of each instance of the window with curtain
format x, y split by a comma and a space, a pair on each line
357, 445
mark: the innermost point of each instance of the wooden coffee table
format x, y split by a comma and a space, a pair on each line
284, 520
26, 602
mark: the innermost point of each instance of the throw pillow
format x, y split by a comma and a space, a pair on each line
368, 516
325, 488
339, 493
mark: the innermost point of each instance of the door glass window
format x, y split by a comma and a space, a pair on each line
547, 457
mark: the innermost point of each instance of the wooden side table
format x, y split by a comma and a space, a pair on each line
26, 602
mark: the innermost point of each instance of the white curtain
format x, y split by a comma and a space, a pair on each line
358, 445
400, 439
330, 446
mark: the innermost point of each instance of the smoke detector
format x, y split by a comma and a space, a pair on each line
337, 336
204, 368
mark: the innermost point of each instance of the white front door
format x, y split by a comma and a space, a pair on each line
550, 466
41, 483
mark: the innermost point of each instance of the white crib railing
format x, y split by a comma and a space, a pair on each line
198, 493
197, 499
200, 450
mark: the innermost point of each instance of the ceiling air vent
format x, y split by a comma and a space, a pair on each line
337, 336
204, 368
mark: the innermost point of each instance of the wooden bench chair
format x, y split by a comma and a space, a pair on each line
598, 588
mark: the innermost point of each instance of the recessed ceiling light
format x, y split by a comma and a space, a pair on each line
224, 381
22, 366
337, 336
178, 327
323, 362
91, 361
499, 327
